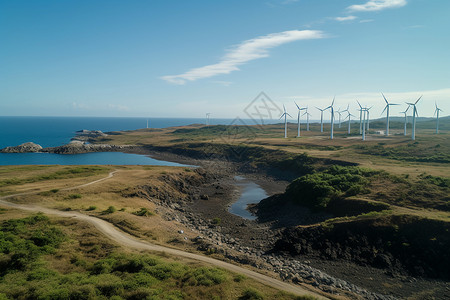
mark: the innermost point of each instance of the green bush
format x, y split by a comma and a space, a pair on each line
251, 294
92, 207
143, 212
74, 196
216, 221
316, 190
110, 210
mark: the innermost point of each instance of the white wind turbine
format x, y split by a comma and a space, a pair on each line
364, 110
415, 113
368, 117
298, 118
321, 117
307, 118
285, 114
207, 118
386, 108
360, 117
339, 112
436, 112
406, 120
349, 116
332, 119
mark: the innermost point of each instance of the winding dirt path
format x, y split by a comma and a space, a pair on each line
127, 240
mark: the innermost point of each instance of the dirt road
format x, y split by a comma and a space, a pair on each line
127, 240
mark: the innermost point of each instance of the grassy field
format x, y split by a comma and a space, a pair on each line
44, 258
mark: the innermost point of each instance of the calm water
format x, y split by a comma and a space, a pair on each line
56, 131
251, 193
96, 158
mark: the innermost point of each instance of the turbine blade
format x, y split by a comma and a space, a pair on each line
384, 109
296, 105
289, 115
385, 98
284, 108
418, 99
359, 104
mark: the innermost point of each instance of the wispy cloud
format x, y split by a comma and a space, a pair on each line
366, 21
376, 5
246, 51
343, 19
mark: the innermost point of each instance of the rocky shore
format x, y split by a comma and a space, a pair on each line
79, 144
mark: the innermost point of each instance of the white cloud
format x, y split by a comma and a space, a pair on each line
376, 5
366, 21
244, 52
343, 19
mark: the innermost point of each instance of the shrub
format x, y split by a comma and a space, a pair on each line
110, 210
74, 196
92, 207
251, 294
216, 221
143, 212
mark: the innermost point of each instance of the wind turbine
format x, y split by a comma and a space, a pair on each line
307, 118
207, 118
413, 134
368, 117
364, 110
436, 112
147, 123
298, 118
285, 114
339, 112
360, 117
406, 120
321, 117
386, 108
349, 119
332, 118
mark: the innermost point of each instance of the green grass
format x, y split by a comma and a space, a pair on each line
26, 273
68, 172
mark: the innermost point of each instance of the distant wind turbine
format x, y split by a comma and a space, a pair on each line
360, 117
298, 118
386, 108
307, 118
436, 112
339, 112
368, 117
207, 118
415, 113
285, 114
364, 110
147, 123
321, 117
332, 119
349, 116
406, 120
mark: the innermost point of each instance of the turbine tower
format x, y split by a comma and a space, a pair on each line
436, 112
349, 115
332, 119
339, 112
386, 108
364, 110
415, 113
285, 114
307, 118
360, 117
207, 118
368, 117
321, 117
406, 120
298, 118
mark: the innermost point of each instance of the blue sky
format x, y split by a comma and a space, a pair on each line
166, 58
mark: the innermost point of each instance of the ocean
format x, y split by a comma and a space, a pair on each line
56, 131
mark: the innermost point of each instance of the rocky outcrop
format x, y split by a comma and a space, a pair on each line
88, 135
23, 148
79, 147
